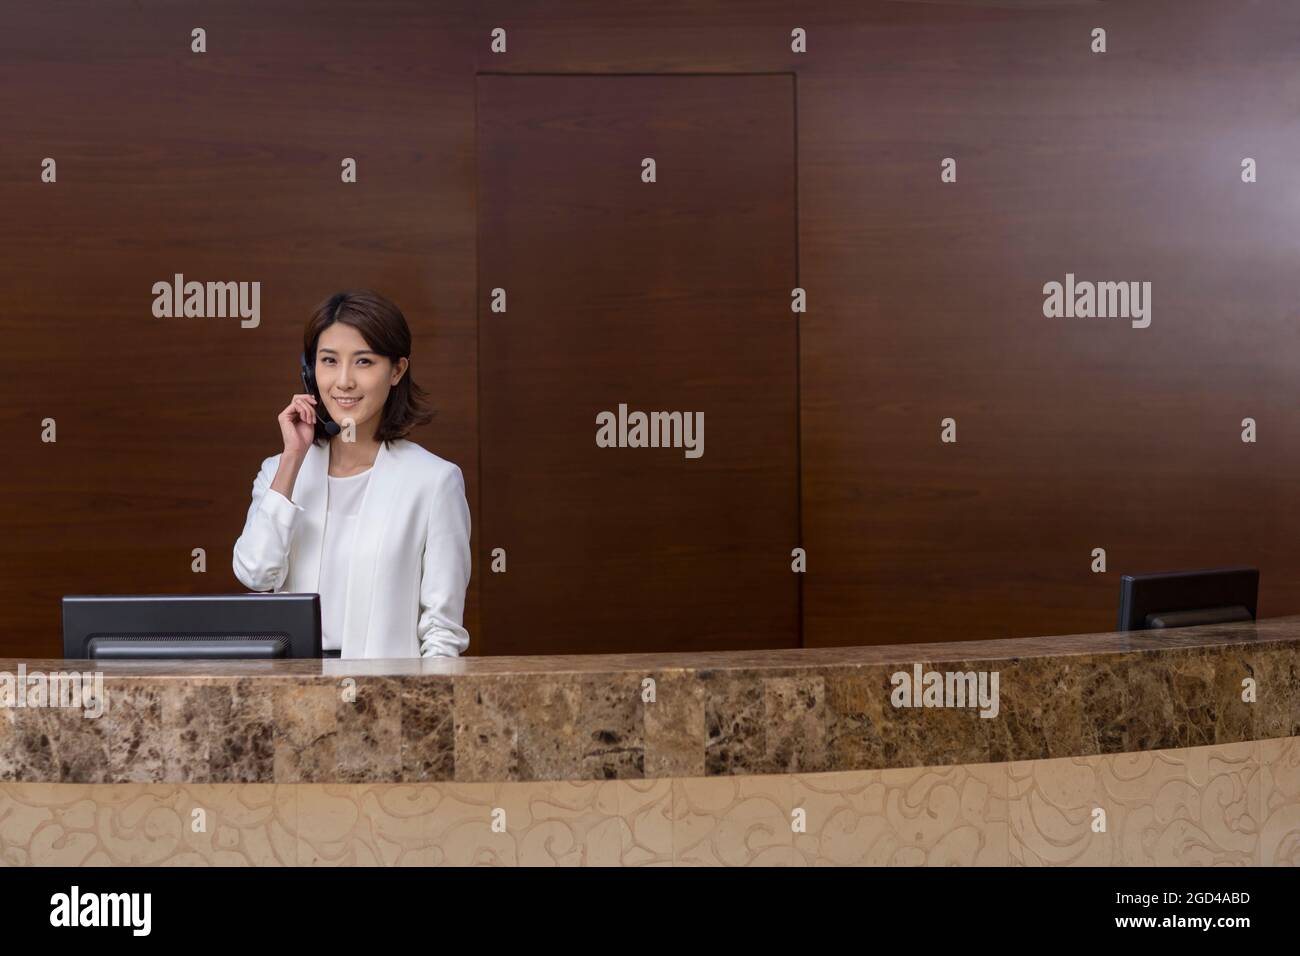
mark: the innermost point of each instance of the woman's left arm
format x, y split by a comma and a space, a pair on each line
445, 570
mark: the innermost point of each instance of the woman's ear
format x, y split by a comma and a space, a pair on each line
399, 370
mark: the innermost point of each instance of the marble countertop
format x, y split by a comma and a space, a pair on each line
606, 716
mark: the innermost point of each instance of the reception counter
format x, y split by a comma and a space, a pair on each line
1178, 746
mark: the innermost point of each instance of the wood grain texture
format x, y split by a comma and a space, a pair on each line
925, 298
671, 296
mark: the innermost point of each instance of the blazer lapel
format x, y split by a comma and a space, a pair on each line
309, 492
363, 565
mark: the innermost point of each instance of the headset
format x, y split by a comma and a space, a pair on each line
309, 374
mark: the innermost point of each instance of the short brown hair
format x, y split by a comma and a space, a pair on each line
384, 328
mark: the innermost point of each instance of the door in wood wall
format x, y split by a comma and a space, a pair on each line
671, 295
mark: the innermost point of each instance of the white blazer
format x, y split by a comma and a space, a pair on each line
410, 563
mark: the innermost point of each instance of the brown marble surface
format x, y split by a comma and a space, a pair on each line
713, 714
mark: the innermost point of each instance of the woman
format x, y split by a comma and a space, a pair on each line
375, 524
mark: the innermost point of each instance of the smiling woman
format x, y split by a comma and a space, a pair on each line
374, 523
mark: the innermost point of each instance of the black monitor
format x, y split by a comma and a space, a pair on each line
1187, 598
191, 626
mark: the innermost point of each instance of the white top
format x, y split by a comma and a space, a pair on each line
342, 512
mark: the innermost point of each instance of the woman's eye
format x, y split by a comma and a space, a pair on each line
367, 361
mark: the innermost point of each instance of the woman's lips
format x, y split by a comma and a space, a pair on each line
347, 403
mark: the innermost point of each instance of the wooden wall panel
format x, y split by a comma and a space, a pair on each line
221, 166
1073, 433
925, 298
672, 296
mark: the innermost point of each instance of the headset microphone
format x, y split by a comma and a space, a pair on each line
309, 375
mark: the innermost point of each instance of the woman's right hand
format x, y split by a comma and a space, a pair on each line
298, 425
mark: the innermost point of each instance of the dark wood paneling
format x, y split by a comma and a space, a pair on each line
666, 296
221, 166
1073, 433
925, 298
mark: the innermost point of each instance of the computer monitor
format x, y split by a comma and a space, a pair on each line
1187, 598
191, 626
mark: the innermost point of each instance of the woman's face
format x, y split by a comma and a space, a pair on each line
354, 381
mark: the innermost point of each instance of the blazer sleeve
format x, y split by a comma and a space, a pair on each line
261, 557
445, 570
